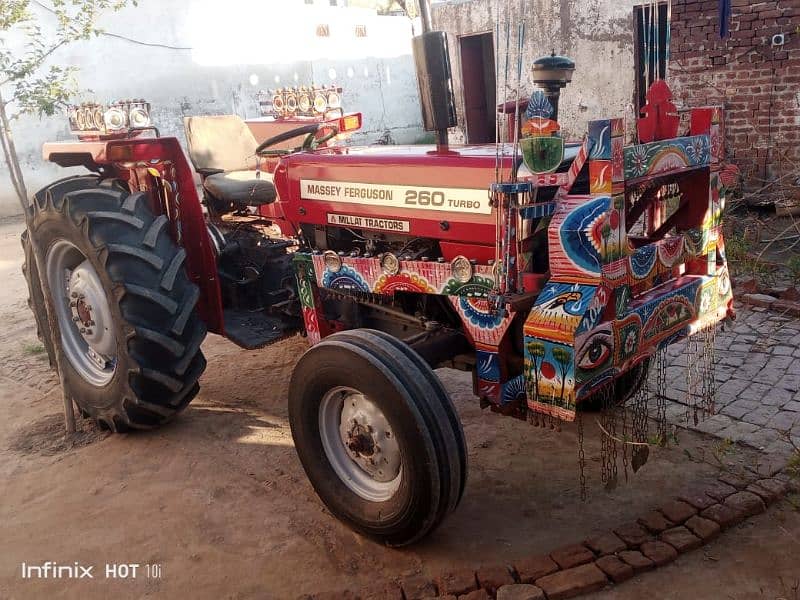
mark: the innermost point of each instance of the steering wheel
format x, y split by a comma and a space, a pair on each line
311, 142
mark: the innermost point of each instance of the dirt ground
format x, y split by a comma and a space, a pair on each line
220, 502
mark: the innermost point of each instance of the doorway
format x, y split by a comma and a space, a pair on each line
478, 77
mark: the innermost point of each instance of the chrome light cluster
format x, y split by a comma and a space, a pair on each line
119, 117
461, 269
302, 101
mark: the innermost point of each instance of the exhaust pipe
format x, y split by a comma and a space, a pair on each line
434, 78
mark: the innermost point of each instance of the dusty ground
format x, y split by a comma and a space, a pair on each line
220, 502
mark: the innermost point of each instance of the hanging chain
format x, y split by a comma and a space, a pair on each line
661, 395
608, 436
692, 377
640, 452
709, 371
625, 441
581, 456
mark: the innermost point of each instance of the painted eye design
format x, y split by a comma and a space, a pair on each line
596, 352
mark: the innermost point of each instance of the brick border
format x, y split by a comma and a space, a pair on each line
691, 520
785, 307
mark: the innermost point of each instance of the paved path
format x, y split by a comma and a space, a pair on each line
758, 381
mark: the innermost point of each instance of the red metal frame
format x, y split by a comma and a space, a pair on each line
132, 160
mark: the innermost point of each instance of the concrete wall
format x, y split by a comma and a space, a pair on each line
596, 34
212, 58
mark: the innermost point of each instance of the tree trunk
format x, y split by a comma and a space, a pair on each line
10, 153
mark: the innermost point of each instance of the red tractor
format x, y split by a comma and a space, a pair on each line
552, 278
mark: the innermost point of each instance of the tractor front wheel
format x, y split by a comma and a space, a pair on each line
378, 439
130, 337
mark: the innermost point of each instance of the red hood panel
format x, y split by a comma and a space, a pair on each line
393, 187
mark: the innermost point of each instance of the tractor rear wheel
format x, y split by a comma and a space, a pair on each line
623, 388
130, 336
377, 438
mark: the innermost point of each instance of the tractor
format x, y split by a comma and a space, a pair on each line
552, 271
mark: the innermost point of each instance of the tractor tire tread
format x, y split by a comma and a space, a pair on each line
160, 331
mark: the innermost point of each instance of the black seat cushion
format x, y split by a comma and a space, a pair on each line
242, 188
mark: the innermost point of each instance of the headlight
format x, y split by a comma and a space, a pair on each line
320, 103
97, 117
291, 103
333, 262
461, 269
139, 115
334, 100
390, 264
304, 102
80, 118
277, 103
88, 117
115, 118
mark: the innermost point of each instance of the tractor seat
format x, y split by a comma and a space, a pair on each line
223, 148
241, 188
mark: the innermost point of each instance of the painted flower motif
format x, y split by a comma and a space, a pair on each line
716, 144
539, 106
617, 153
639, 160
697, 150
705, 302
630, 342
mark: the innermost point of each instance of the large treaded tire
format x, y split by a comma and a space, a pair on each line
152, 302
422, 416
624, 388
444, 403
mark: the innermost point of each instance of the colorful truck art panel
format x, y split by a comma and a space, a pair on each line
483, 323
666, 155
612, 303
575, 238
550, 375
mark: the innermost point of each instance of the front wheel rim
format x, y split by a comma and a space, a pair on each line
84, 316
360, 444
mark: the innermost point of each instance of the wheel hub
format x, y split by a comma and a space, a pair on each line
90, 310
83, 312
360, 444
366, 434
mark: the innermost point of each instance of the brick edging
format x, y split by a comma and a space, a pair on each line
787, 307
691, 520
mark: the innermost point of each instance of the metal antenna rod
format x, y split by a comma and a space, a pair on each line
497, 113
505, 89
520, 41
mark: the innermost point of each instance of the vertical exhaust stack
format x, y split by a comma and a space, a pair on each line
434, 78
552, 74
